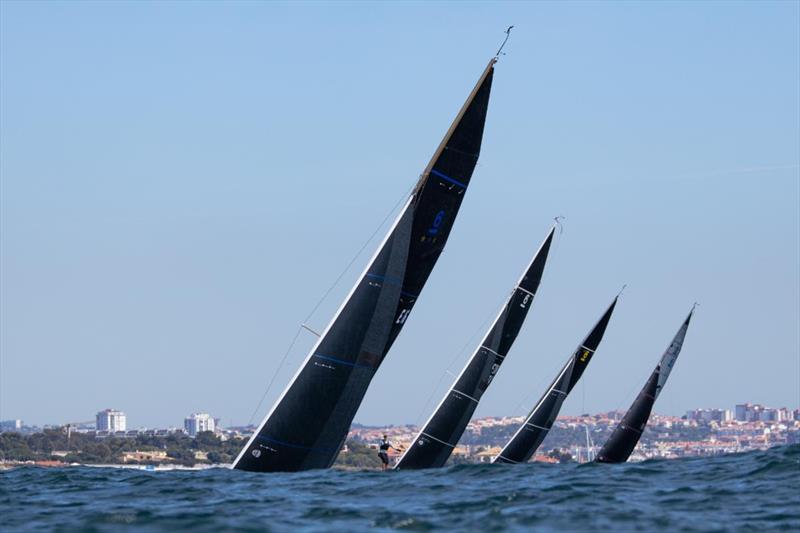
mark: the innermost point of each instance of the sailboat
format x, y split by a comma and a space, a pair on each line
435, 442
537, 424
623, 440
308, 424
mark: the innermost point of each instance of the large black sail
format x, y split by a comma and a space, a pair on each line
626, 435
434, 443
308, 424
530, 435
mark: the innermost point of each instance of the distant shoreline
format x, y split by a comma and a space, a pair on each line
13, 465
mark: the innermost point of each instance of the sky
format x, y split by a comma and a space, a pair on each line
180, 184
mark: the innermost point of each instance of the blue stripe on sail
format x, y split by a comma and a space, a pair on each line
447, 178
289, 445
343, 362
394, 281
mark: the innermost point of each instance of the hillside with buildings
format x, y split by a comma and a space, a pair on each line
201, 440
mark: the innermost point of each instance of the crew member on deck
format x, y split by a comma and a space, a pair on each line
383, 452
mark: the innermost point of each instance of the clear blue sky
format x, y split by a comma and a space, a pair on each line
181, 182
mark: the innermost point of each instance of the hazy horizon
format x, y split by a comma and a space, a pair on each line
180, 183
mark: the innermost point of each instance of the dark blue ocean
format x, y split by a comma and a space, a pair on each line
748, 491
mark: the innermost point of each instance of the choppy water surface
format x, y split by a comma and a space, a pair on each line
750, 491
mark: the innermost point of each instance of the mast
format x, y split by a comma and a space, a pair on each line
435, 442
626, 435
537, 424
589, 444
308, 424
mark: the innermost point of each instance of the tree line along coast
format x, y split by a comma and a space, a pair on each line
573, 438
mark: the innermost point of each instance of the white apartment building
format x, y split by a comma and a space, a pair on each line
110, 420
11, 425
197, 422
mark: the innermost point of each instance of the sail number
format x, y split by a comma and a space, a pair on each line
431, 233
401, 319
525, 301
492, 372
436, 224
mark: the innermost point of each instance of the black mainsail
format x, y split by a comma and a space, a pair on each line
435, 442
308, 424
537, 424
623, 440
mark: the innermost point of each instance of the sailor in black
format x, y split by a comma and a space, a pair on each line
383, 452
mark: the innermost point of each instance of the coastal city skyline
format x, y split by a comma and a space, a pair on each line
112, 420
699, 432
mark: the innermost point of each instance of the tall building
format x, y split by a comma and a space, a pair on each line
10, 425
110, 420
741, 412
709, 415
197, 422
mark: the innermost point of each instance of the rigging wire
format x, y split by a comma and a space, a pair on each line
558, 221
327, 293
477, 330
447, 372
583, 395
628, 399
526, 400
274, 375
360, 251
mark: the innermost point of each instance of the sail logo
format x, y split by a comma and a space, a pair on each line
492, 372
437, 222
585, 355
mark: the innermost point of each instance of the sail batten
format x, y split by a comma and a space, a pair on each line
626, 435
435, 442
529, 436
307, 426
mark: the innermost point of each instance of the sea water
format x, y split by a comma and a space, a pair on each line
757, 490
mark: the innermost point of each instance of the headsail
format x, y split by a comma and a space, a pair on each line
537, 424
626, 435
434, 443
307, 426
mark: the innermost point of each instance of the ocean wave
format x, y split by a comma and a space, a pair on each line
753, 490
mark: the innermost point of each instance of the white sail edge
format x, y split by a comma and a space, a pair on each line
535, 410
475, 352
422, 181
325, 331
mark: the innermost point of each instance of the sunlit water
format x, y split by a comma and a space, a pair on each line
750, 491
